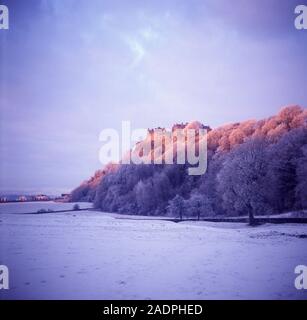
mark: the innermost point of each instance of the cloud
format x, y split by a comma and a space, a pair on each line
148, 34
139, 44
137, 49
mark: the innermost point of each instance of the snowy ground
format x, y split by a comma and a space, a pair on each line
91, 255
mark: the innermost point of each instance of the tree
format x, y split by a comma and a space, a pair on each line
241, 180
301, 173
208, 185
199, 204
80, 193
145, 196
176, 206
286, 170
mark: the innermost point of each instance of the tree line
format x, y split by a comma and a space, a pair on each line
254, 168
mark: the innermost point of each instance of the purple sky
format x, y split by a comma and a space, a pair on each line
70, 68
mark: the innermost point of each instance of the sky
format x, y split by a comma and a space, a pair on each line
71, 68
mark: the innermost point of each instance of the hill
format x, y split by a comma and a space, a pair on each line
254, 167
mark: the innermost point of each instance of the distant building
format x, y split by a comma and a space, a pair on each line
65, 197
22, 198
3, 199
41, 197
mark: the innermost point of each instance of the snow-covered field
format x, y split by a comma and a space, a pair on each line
92, 255
27, 207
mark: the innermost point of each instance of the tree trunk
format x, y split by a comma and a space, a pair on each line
252, 221
198, 215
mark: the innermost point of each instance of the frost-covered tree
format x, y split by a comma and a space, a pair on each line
208, 184
80, 193
241, 180
176, 206
198, 205
301, 173
284, 158
145, 196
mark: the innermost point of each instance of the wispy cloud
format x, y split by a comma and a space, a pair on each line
137, 49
